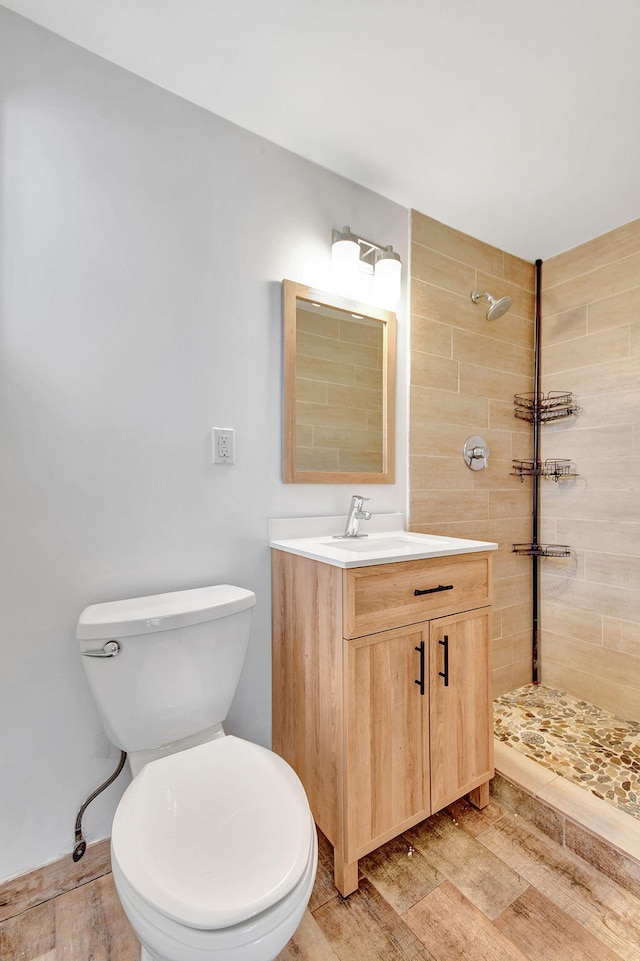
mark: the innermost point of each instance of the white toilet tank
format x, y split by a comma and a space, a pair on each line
178, 664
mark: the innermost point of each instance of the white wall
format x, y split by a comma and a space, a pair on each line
143, 242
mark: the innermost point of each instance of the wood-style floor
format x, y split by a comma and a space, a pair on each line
463, 886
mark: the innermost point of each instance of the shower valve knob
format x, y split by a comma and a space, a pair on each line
475, 453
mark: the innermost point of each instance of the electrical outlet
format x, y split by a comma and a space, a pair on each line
223, 445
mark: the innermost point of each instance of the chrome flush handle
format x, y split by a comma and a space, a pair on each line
111, 649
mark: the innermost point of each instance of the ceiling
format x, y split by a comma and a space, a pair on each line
514, 121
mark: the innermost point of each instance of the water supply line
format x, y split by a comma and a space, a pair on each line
79, 843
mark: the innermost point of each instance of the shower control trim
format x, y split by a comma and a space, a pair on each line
476, 453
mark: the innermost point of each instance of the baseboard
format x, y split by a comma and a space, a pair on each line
28, 890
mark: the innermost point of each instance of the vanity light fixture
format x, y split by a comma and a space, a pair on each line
352, 254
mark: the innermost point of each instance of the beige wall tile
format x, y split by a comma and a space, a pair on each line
431, 336
431, 233
523, 300
565, 326
634, 339
581, 444
437, 473
439, 270
512, 649
617, 698
623, 636
517, 271
516, 618
602, 250
510, 503
610, 376
458, 310
595, 285
428, 370
620, 570
583, 625
446, 407
506, 590
441, 506
622, 308
603, 410
501, 414
606, 536
587, 351
597, 674
606, 599
498, 476
496, 361
512, 676
474, 348
486, 382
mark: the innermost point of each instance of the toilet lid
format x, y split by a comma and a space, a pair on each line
215, 834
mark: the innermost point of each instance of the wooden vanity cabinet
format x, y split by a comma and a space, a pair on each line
381, 692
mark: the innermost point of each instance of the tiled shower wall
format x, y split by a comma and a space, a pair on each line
464, 372
591, 346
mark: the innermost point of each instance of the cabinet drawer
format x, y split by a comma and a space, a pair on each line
393, 595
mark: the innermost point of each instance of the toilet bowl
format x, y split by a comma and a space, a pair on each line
214, 853
214, 850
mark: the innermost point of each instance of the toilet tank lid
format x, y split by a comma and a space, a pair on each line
162, 612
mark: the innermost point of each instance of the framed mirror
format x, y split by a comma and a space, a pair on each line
339, 389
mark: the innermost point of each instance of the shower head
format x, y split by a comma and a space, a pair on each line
496, 307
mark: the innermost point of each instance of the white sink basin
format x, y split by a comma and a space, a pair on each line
379, 548
373, 545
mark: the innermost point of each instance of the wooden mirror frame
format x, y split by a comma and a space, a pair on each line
294, 292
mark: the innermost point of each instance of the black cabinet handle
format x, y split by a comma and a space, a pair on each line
434, 590
445, 673
420, 682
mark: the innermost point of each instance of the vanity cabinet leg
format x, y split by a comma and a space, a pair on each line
345, 874
479, 797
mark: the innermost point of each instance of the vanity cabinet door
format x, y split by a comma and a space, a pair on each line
460, 707
387, 769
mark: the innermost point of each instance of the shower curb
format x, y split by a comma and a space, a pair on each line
598, 832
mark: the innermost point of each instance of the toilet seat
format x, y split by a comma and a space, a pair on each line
213, 835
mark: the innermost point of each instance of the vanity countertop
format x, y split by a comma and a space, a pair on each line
385, 547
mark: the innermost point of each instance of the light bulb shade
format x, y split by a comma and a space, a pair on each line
345, 256
344, 245
387, 276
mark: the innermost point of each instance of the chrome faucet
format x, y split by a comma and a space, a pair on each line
355, 515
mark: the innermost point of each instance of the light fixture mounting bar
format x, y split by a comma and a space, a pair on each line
368, 248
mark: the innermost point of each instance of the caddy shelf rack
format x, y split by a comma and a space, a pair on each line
554, 405
556, 469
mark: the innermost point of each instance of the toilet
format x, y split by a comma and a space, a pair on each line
213, 848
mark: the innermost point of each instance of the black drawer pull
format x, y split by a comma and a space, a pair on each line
420, 682
445, 673
434, 590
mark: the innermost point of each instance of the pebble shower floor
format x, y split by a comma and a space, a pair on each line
583, 743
